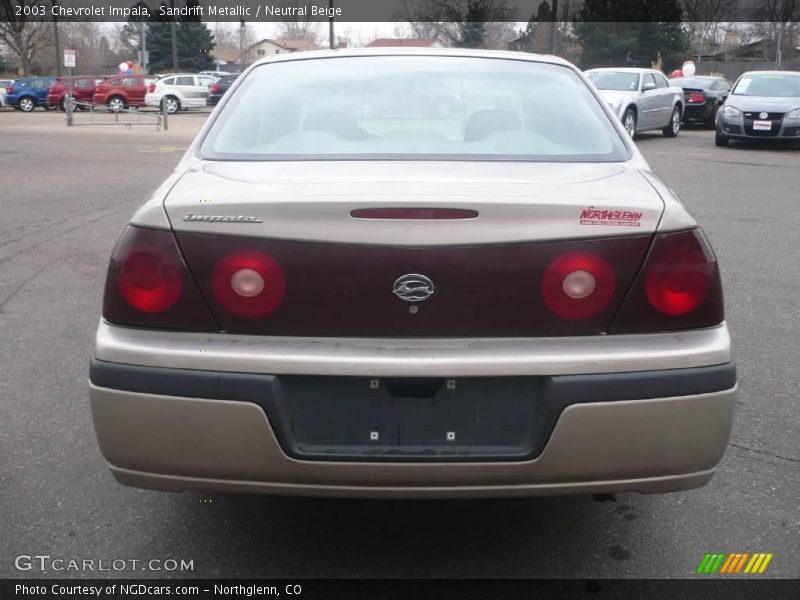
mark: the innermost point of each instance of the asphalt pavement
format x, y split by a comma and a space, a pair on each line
65, 195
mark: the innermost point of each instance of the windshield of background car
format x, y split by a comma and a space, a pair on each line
776, 86
616, 81
413, 107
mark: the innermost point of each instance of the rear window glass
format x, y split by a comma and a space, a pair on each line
413, 107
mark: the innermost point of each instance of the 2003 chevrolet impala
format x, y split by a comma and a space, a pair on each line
409, 273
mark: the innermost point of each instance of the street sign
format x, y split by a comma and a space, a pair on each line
69, 58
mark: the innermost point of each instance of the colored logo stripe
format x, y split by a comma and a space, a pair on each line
718, 562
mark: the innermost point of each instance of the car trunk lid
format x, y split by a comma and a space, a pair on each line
478, 276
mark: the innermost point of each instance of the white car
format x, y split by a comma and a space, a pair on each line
4, 83
180, 91
503, 300
642, 99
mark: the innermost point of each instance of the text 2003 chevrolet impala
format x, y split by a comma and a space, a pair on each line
413, 273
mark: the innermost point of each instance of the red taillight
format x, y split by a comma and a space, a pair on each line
696, 97
413, 213
214, 88
150, 280
10, 89
148, 284
578, 285
679, 287
249, 284
151, 88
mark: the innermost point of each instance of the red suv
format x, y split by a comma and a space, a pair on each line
83, 87
122, 91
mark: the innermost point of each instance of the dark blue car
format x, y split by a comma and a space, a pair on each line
27, 94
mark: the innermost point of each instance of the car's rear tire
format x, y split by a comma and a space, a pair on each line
629, 122
27, 104
173, 104
63, 104
116, 103
721, 140
674, 126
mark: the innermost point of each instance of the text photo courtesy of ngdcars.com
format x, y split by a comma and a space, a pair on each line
469, 299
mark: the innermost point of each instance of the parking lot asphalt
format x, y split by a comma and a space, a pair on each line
65, 196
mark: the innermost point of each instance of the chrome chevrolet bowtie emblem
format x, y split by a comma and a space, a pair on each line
763, 115
413, 288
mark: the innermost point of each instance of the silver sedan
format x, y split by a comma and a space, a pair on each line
643, 99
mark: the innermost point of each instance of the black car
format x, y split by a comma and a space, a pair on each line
217, 89
702, 97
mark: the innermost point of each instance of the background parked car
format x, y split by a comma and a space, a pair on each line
703, 96
83, 87
181, 91
217, 89
122, 91
4, 83
761, 105
641, 98
26, 94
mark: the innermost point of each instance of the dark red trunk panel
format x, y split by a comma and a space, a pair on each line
347, 290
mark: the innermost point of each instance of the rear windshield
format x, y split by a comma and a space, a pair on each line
697, 82
618, 81
776, 86
413, 107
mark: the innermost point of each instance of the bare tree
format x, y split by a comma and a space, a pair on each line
706, 20
777, 19
23, 37
465, 23
298, 27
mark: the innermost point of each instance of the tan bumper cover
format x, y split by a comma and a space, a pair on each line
175, 443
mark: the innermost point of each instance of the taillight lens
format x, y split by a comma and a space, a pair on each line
10, 89
150, 280
679, 287
696, 97
249, 284
148, 284
214, 88
151, 88
578, 285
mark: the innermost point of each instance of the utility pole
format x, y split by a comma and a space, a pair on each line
778, 47
145, 58
174, 36
241, 44
331, 40
57, 46
554, 18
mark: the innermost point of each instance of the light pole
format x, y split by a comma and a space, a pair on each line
778, 47
331, 41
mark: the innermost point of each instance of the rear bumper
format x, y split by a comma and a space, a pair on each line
172, 421
177, 443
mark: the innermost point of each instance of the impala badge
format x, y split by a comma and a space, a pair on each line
221, 218
413, 288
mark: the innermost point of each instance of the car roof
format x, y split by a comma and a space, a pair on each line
771, 73
623, 70
401, 51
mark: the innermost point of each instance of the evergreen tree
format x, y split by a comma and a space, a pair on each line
634, 33
194, 41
